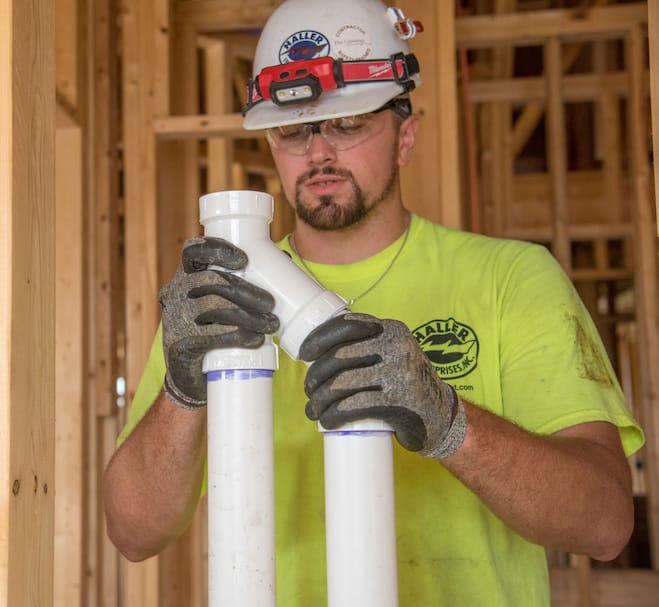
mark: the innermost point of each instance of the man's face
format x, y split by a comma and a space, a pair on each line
332, 190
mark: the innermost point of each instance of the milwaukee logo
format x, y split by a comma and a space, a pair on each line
377, 71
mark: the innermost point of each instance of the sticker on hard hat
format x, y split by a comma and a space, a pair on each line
352, 43
304, 45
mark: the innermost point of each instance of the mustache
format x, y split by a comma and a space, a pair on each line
344, 173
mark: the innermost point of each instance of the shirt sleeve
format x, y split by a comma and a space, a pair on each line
149, 387
556, 372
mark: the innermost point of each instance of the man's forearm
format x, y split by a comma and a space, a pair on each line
570, 491
152, 484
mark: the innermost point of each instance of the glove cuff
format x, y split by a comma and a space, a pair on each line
179, 399
456, 432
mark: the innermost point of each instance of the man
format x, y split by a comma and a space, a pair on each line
511, 428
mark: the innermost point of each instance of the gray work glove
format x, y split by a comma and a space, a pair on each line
370, 368
207, 309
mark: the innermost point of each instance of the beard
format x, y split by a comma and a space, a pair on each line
330, 214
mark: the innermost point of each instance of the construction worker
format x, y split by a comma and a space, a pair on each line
512, 431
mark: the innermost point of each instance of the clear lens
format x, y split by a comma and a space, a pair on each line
341, 133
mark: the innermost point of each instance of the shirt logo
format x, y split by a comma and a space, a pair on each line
304, 45
451, 346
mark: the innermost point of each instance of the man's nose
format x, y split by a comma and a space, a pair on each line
320, 150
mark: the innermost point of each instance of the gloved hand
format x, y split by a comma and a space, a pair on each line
370, 368
206, 309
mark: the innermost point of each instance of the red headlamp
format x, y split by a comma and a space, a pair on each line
305, 80
296, 81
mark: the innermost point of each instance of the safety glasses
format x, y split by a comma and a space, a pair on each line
341, 133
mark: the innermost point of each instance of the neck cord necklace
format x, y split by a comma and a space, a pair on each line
379, 279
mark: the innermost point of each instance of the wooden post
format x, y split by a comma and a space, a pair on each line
27, 301
447, 108
219, 89
69, 364
431, 185
104, 295
177, 169
144, 85
70, 368
653, 31
646, 287
556, 152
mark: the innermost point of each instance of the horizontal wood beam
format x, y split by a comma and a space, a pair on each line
582, 232
224, 15
594, 274
255, 161
576, 87
610, 588
533, 27
203, 126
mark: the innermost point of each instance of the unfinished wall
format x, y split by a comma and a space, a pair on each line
150, 93
557, 102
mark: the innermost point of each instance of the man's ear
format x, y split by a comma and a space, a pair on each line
407, 139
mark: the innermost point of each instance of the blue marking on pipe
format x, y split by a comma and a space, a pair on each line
238, 374
357, 432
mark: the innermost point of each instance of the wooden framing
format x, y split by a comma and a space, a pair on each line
69, 365
554, 207
89, 299
144, 84
653, 26
225, 125
628, 588
213, 15
70, 368
27, 304
526, 29
431, 183
178, 131
647, 280
557, 151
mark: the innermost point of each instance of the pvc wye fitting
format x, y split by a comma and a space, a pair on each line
243, 217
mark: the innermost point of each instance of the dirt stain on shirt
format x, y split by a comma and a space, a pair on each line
591, 363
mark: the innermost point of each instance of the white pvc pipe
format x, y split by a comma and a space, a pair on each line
360, 520
241, 500
359, 496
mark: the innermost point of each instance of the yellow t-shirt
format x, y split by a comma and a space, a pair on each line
503, 324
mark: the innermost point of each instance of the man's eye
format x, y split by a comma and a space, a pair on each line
348, 126
293, 133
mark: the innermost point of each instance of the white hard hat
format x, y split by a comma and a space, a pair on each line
319, 59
